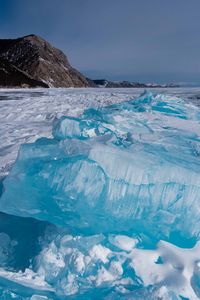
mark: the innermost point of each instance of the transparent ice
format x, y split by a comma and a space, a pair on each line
110, 206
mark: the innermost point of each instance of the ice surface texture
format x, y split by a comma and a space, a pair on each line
128, 167
119, 179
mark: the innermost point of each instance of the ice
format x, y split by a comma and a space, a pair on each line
85, 265
27, 114
108, 205
105, 266
140, 163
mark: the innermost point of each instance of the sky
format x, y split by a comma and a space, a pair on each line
137, 40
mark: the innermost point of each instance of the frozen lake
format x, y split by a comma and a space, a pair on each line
109, 204
27, 114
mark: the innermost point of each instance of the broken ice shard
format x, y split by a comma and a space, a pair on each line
129, 167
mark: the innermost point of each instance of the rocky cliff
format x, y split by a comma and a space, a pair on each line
11, 76
39, 61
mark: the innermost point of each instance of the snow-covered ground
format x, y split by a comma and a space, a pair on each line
27, 114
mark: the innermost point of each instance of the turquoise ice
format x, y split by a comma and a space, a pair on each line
128, 167
113, 183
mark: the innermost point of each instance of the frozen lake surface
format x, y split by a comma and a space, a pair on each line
103, 199
28, 114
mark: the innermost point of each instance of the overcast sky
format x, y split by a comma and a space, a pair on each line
144, 40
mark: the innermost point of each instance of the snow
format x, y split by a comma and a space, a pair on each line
124, 242
99, 252
174, 276
27, 279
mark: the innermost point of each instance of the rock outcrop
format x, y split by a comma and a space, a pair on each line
38, 60
11, 76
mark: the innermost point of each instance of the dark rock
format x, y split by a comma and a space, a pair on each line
91, 82
11, 76
37, 58
118, 84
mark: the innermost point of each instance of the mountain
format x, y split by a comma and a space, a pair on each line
36, 59
127, 84
117, 84
11, 76
30, 61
